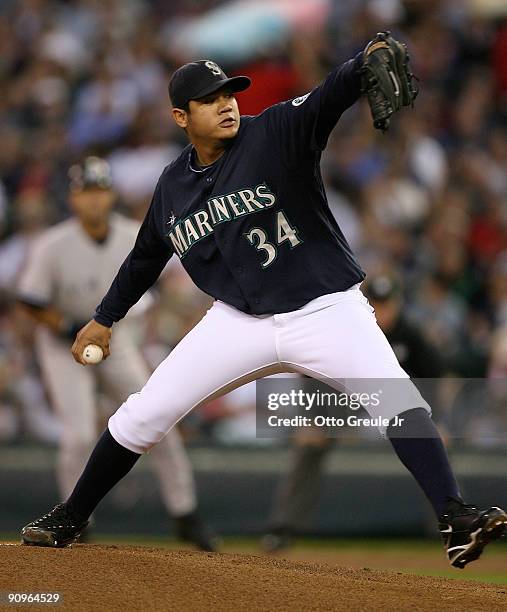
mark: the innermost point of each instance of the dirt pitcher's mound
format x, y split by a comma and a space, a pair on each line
93, 577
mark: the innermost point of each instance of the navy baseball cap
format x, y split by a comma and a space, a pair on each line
93, 172
198, 79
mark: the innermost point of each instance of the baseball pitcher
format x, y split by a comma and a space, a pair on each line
245, 210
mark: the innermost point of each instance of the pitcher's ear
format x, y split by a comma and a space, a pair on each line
180, 117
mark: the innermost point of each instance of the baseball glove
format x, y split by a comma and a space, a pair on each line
386, 78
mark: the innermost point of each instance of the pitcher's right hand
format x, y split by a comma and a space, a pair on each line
91, 333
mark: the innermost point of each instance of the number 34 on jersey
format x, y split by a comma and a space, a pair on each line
284, 231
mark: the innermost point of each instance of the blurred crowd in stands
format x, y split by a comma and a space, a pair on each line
426, 202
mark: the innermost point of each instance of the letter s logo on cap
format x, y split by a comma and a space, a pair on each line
213, 67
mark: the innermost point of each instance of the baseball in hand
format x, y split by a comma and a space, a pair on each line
93, 354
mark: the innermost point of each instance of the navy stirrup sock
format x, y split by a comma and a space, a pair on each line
107, 465
421, 450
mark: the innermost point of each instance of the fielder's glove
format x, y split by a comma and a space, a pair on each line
386, 78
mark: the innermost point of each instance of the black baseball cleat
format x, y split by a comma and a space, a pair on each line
57, 529
191, 529
467, 530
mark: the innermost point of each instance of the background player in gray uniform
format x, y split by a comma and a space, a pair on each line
245, 209
68, 271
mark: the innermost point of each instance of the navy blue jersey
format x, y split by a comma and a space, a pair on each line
253, 229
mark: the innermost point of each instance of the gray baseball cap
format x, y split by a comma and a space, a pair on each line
93, 172
198, 79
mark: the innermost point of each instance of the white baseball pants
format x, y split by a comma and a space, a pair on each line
72, 390
334, 338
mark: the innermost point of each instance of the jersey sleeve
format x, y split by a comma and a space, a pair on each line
139, 271
302, 126
35, 285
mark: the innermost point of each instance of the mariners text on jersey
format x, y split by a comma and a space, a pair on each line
254, 229
218, 209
